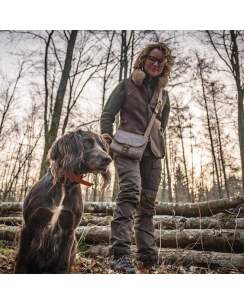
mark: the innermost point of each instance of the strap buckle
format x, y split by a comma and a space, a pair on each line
125, 148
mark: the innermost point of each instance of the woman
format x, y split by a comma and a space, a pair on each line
138, 179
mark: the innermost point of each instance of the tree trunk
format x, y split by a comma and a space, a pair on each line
53, 131
233, 63
123, 71
200, 66
183, 151
220, 144
167, 169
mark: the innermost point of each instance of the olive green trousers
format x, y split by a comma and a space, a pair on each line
138, 187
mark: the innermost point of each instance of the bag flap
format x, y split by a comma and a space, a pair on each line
130, 139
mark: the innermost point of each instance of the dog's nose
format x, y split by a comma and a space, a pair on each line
106, 160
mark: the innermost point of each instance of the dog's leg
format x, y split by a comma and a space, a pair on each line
66, 224
64, 263
34, 226
21, 262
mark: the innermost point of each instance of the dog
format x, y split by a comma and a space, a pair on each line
52, 209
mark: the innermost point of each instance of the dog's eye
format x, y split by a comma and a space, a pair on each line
88, 143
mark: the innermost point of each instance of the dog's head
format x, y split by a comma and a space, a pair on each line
80, 152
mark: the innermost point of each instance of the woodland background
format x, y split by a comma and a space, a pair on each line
55, 81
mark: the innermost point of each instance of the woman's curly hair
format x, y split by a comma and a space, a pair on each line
140, 61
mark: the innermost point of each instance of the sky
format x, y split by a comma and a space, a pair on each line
90, 104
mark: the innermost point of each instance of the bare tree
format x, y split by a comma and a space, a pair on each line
229, 47
201, 67
52, 130
221, 153
7, 98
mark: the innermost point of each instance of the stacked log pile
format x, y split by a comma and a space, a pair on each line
208, 234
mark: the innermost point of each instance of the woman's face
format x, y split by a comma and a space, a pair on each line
154, 63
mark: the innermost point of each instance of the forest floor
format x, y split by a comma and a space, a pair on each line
100, 265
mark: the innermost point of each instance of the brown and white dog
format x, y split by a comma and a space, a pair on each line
53, 207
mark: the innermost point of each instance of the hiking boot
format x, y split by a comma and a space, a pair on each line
147, 267
123, 264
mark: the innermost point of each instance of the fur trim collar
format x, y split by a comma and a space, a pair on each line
138, 77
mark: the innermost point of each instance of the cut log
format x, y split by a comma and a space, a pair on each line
9, 233
177, 209
177, 222
224, 240
98, 207
7, 208
206, 239
91, 219
11, 220
163, 222
201, 239
211, 260
201, 209
87, 220
94, 235
160, 222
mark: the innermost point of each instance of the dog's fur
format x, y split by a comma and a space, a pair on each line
52, 209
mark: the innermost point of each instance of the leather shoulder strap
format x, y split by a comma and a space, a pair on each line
159, 106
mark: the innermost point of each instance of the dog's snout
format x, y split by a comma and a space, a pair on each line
106, 160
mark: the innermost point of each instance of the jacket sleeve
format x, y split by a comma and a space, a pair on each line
111, 108
165, 113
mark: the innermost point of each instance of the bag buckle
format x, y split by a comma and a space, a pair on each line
125, 148
158, 106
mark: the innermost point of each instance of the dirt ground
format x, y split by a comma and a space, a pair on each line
100, 265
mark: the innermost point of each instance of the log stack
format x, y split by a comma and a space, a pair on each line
207, 234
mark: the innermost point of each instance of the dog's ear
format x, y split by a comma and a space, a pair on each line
53, 153
66, 155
